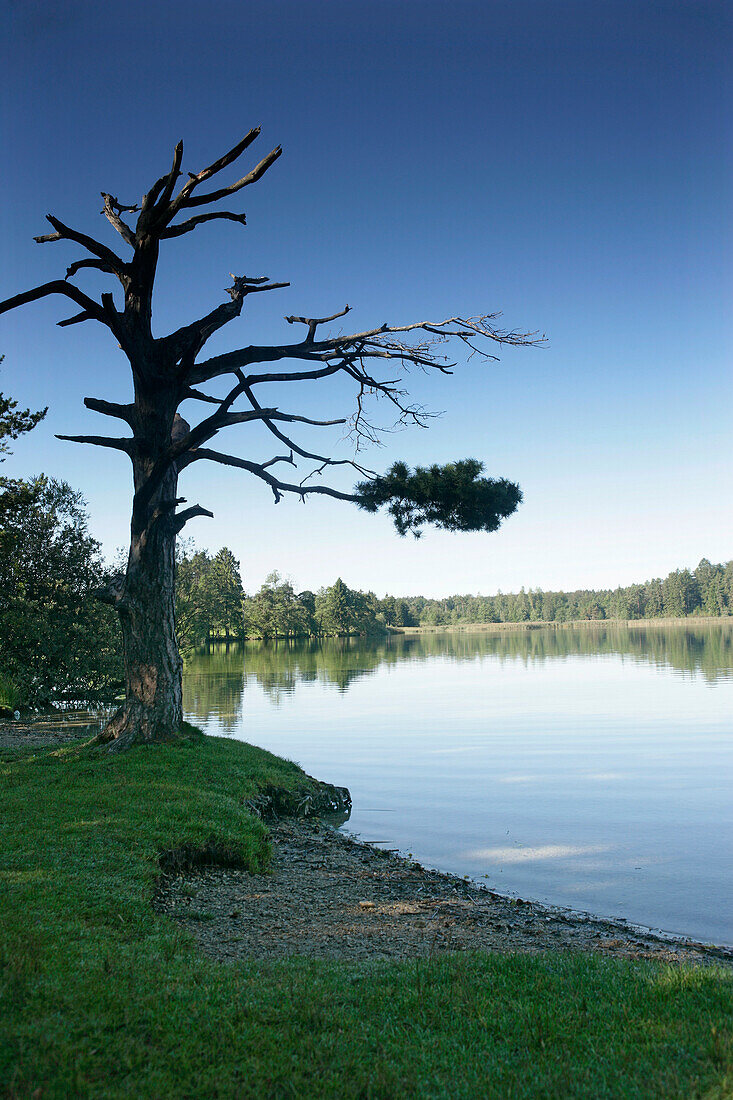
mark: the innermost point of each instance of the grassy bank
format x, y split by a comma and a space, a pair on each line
101, 997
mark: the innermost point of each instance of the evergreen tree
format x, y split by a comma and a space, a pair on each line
334, 609
195, 599
14, 421
275, 611
673, 596
229, 594
307, 600
653, 599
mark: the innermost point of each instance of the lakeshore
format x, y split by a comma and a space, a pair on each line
105, 996
328, 894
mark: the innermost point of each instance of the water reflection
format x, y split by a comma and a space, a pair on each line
215, 679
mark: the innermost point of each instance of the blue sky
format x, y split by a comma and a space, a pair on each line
566, 163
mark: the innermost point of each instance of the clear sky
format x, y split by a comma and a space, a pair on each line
567, 163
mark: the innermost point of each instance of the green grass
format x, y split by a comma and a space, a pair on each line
101, 997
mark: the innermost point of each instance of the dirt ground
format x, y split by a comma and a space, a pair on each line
329, 896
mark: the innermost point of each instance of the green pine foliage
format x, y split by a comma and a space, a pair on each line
14, 421
209, 596
341, 611
276, 611
452, 497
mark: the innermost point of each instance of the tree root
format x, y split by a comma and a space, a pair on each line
132, 725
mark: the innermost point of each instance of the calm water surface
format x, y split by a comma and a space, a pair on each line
588, 768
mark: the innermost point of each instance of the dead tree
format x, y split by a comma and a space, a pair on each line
168, 370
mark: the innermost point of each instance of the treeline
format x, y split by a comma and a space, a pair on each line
706, 590
58, 642
211, 604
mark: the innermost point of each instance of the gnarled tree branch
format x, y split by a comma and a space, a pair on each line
180, 519
166, 212
99, 265
252, 177
314, 322
117, 444
184, 345
162, 188
372, 343
294, 447
101, 251
112, 211
260, 470
186, 227
111, 408
91, 308
76, 319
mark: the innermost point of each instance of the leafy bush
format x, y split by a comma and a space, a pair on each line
57, 640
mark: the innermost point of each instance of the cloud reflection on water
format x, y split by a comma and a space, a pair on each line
529, 855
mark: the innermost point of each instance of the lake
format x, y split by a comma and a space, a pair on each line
587, 767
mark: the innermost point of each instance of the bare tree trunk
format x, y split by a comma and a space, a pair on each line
152, 710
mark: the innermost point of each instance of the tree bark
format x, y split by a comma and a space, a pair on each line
153, 709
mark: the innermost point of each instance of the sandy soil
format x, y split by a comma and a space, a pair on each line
329, 896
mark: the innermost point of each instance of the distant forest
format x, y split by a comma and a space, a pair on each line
707, 590
211, 603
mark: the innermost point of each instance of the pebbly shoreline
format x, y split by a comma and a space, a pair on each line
329, 895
